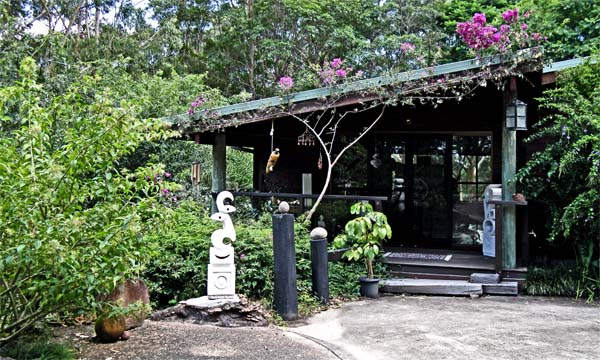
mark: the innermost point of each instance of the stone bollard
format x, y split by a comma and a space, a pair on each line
284, 254
319, 264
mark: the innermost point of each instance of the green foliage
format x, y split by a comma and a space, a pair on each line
565, 174
37, 348
572, 27
364, 235
71, 220
557, 280
343, 278
178, 269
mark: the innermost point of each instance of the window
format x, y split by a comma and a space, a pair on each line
471, 173
471, 166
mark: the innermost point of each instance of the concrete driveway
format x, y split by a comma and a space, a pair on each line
415, 327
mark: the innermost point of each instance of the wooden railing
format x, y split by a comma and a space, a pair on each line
377, 200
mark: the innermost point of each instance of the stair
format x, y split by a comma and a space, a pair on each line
447, 287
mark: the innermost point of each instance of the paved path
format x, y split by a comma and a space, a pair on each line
459, 328
392, 327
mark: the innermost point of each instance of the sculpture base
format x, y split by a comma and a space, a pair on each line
233, 312
208, 302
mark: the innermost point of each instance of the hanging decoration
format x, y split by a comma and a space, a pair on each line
274, 152
306, 139
320, 161
272, 161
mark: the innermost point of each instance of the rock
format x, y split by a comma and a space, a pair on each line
318, 233
128, 293
284, 207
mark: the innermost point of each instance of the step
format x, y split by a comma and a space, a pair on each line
431, 287
447, 287
420, 275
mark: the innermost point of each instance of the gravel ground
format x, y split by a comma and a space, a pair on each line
392, 327
182, 341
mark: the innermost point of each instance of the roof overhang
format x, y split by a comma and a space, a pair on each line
354, 92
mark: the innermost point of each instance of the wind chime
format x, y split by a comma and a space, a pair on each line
308, 139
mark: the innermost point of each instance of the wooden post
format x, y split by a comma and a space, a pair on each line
284, 262
219, 169
509, 168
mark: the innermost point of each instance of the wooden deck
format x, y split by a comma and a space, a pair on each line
461, 265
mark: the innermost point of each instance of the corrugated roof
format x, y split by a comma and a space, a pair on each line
565, 64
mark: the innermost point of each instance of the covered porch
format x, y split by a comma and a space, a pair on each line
424, 166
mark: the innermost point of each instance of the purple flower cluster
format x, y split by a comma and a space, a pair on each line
285, 83
198, 102
332, 71
480, 36
477, 34
407, 47
510, 16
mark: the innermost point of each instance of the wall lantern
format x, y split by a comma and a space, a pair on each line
516, 115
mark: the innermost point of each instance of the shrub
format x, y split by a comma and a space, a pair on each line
178, 269
71, 220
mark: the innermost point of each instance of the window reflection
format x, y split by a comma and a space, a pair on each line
471, 173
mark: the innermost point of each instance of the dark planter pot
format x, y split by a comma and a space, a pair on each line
369, 287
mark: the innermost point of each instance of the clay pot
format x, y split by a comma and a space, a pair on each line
110, 329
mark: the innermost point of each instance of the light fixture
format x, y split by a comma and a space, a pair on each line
516, 115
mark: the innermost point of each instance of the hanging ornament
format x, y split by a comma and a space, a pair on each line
320, 161
306, 139
272, 161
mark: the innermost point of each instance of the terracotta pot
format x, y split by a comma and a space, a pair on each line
110, 329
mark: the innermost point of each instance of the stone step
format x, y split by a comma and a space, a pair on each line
446, 287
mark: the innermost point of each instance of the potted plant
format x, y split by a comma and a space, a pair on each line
363, 236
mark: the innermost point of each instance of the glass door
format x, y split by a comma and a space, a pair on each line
419, 208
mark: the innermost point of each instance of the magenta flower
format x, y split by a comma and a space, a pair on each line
336, 63
524, 26
341, 73
479, 18
198, 102
167, 175
511, 16
286, 83
406, 47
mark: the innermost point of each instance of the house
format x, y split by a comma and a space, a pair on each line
420, 156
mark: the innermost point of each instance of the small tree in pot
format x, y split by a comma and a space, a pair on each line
363, 236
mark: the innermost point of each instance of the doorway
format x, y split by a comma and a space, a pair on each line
433, 183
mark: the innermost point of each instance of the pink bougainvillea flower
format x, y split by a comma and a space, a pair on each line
198, 102
286, 83
479, 18
406, 47
336, 63
341, 73
511, 16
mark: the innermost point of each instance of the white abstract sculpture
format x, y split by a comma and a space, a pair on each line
221, 269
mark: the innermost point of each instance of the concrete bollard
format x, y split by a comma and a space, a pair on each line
319, 264
284, 253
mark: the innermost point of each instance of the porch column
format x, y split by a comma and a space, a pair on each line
219, 169
509, 168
